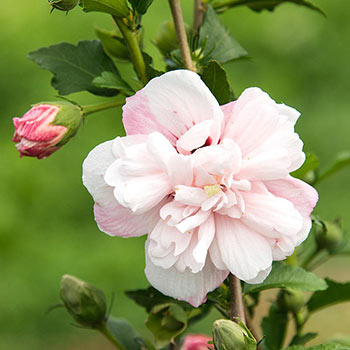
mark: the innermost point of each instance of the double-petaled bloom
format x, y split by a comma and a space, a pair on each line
209, 184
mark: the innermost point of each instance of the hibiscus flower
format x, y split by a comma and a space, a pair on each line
209, 184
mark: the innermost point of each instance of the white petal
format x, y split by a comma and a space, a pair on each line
244, 252
187, 286
206, 234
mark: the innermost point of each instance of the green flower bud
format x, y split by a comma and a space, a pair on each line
166, 321
290, 300
328, 235
229, 335
166, 40
84, 302
63, 5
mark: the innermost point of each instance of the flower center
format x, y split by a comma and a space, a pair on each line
212, 190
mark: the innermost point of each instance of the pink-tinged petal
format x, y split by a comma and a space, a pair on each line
244, 259
302, 195
270, 215
206, 234
169, 237
180, 170
215, 255
94, 169
120, 144
111, 217
269, 165
192, 196
116, 220
215, 159
291, 113
187, 286
195, 137
173, 212
261, 276
253, 119
171, 104
202, 178
193, 221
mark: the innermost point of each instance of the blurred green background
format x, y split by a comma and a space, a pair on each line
46, 222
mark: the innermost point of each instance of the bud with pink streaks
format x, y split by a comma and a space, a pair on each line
46, 127
196, 342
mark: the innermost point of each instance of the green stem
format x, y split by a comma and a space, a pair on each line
101, 107
107, 333
231, 3
134, 49
236, 299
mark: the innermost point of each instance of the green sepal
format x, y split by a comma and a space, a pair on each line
166, 321
63, 5
141, 6
69, 115
117, 8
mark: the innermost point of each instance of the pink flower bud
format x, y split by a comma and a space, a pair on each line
197, 342
45, 128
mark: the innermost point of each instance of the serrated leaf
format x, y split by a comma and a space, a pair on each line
336, 292
259, 5
117, 8
147, 298
215, 78
287, 276
150, 70
306, 172
218, 44
75, 67
141, 6
303, 339
112, 81
341, 161
125, 333
274, 328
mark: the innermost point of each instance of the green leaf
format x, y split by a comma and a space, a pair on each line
117, 8
141, 6
331, 346
112, 81
166, 321
303, 339
341, 161
75, 67
274, 328
335, 293
307, 171
125, 333
287, 276
216, 42
259, 5
147, 298
113, 44
215, 78
151, 72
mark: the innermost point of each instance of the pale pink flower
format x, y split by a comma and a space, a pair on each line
209, 184
196, 342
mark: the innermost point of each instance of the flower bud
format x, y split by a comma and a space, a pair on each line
84, 302
46, 127
290, 300
63, 5
196, 342
328, 235
229, 335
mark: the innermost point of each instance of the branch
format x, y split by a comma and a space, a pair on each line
181, 34
236, 300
